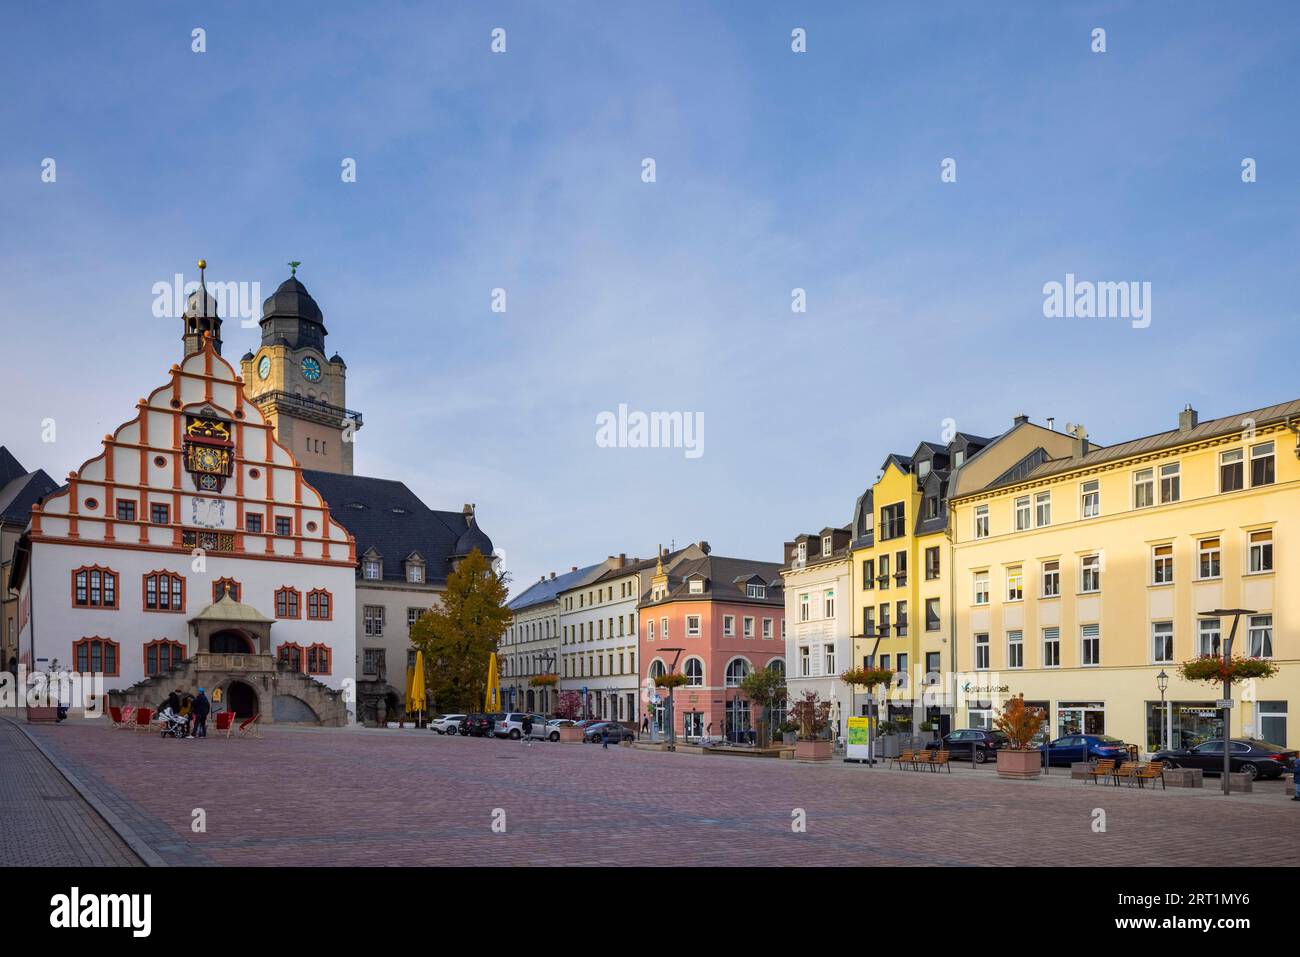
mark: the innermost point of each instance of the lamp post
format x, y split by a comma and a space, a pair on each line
1226, 703
1162, 682
672, 727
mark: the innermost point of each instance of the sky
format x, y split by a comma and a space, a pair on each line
523, 171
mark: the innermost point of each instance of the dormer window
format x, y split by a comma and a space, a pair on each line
923, 468
414, 572
372, 569
756, 591
802, 551
826, 545
697, 586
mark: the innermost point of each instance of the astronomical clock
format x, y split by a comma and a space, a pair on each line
209, 452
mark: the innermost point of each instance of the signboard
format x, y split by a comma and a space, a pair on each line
858, 739
1223, 703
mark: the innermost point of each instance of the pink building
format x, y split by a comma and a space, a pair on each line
714, 620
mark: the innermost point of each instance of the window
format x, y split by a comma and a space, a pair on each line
868, 621
1261, 636
981, 521
883, 577
931, 507
932, 667
1015, 649
1051, 579
372, 661
932, 614
1144, 488
1023, 513
1261, 551
96, 655
1261, 465
287, 602
1090, 499
413, 615
283, 525
884, 621
900, 568
319, 605
932, 563
696, 586
126, 510
164, 591
1091, 644
828, 603
1162, 565
1231, 477
728, 625
900, 624
868, 574
162, 656
1208, 558
804, 610
749, 627
94, 587
1090, 573
414, 573
982, 588
692, 626
826, 545
736, 671
253, 523
805, 662
694, 672
900, 673
1207, 634
756, 591
650, 629
1162, 642
828, 655
371, 570
663, 628
318, 660
1170, 490
160, 514
767, 628
1051, 647
1043, 509
892, 521
801, 552
1015, 583
225, 586
981, 652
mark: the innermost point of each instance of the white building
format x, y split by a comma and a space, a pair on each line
819, 646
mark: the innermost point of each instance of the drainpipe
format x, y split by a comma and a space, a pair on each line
950, 533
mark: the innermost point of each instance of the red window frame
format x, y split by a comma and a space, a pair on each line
105, 576
318, 600
318, 658
291, 654
175, 653
292, 602
174, 582
107, 647
236, 589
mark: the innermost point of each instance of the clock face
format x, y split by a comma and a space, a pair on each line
311, 369
264, 367
208, 460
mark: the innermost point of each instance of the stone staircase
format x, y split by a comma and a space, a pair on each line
283, 694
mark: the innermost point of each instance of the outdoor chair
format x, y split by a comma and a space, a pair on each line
1152, 771
921, 759
115, 716
1125, 772
1102, 769
248, 727
903, 757
940, 760
143, 719
225, 721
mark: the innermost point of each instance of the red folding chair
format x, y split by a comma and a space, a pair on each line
143, 718
225, 722
115, 718
248, 727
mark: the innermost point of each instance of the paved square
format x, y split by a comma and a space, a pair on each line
357, 797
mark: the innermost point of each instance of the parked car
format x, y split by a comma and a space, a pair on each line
511, 726
1259, 759
447, 723
959, 744
555, 724
594, 733
1066, 750
478, 725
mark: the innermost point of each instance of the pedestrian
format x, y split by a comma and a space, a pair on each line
604, 736
62, 691
173, 701
528, 729
645, 724
202, 708
187, 714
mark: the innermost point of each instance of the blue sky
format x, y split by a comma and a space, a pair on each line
775, 170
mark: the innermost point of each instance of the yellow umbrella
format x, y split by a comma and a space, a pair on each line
416, 699
492, 701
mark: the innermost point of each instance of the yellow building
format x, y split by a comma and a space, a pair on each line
1081, 577
900, 585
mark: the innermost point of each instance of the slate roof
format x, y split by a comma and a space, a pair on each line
547, 589
725, 580
385, 515
20, 490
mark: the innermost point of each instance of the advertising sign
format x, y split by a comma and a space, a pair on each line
858, 741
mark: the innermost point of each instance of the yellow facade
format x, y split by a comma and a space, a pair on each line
1136, 566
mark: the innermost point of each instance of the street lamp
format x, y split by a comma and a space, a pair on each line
672, 727
1226, 703
1162, 682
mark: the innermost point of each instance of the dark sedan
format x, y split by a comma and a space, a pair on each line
597, 732
1257, 758
478, 725
958, 744
1067, 750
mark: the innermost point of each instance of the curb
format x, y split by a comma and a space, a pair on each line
148, 856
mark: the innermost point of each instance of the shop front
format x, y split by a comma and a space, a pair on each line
1181, 724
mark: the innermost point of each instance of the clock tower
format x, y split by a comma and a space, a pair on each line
302, 393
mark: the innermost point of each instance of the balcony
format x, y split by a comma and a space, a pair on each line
323, 412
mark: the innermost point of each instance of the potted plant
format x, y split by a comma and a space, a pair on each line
812, 716
789, 732
569, 707
1019, 759
763, 687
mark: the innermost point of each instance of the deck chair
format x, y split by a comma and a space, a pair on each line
143, 719
248, 728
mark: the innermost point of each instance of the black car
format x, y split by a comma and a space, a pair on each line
1257, 758
478, 725
595, 733
958, 744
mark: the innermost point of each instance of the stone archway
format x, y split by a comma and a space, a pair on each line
242, 699
231, 642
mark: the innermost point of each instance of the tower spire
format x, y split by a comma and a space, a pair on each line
201, 316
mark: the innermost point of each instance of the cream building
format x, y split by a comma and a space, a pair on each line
818, 620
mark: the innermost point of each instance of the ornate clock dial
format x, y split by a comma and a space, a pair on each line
264, 366
311, 369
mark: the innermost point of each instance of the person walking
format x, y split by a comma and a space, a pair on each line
645, 724
604, 736
528, 729
187, 714
202, 708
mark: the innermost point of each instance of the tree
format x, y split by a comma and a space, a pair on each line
763, 687
1019, 723
459, 635
812, 715
570, 705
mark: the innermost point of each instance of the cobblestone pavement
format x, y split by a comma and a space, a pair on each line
357, 797
44, 822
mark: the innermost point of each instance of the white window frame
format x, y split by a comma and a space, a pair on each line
980, 587
692, 626
1263, 625
728, 626
1233, 457
1160, 630
1162, 566
1089, 563
1144, 488
747, 627
828, 603
1171, 472
1016, 583
1084, 638
1023, 513
1209, 636
981, 521
1043, 509
1051, 638
1052, 574
1215, 552
767, 628
1255, 552
982, 652
1262, 451
1090, 509
826, 545
1015, 649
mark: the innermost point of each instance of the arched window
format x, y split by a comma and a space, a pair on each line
163, 591
96, 655
162, 656
288, 603
290, 654
319, 605
777, 665
736, 671
226, 586
694, 672
94, 587
657, 668
318, 660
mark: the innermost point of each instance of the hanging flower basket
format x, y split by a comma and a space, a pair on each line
1214, 669
868, 678
543, 681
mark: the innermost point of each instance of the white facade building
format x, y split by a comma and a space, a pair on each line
818, 609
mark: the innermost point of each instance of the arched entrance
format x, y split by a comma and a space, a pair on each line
230, 643
241, 699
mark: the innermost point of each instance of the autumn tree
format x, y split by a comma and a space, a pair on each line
459, 635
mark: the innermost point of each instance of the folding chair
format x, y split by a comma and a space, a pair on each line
248, 727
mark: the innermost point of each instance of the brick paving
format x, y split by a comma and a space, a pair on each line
44, 822
357, 797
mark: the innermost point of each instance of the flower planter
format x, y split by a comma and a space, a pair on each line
570, 735
790, 737
813, 750
1019, 764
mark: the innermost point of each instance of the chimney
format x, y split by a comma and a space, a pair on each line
468, 509
1187, 419
704, 547
552, 576
1021, 419
1080, 441
622, 559
1051, 422
573, 568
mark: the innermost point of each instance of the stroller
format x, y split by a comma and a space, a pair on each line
174, 726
